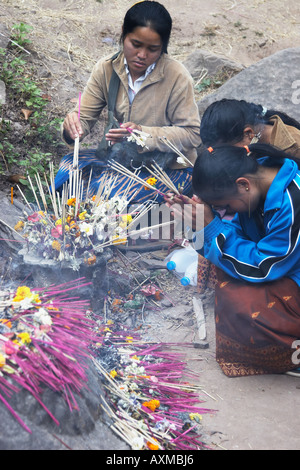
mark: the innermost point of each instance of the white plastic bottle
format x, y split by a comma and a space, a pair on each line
179, 260
191, 275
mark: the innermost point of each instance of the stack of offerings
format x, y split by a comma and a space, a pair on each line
184, 264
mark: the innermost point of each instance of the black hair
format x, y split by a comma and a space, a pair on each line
148, 14
217, 169
224, 121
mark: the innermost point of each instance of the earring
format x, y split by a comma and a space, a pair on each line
249, 205
256, 138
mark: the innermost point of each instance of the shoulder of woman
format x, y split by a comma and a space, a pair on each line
174, 66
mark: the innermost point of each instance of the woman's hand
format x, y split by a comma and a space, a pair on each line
192, 215
72, 127
118, 135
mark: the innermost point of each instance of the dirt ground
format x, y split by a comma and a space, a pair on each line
68, 37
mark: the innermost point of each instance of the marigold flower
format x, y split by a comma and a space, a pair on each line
56, 245
119, 241
72, 201
151, 181
113, 373
19, 226
2, 360
82, 215
127, 218
152, 404
24, 337
6, 322
22, 293
152, 446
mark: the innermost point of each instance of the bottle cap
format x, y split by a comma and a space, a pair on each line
171, 265
185, 281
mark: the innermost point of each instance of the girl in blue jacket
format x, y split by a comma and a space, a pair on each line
256, 254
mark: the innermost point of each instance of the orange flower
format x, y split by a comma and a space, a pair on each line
152, 404
6, 322
56, 245
71, 202
152, 446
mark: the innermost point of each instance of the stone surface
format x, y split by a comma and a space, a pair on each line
77, 428
273, 82
2, 93
201, 61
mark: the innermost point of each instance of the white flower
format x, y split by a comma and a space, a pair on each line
180, 160
137, 443
42, 316
86, 228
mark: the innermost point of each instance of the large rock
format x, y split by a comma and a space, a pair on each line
78, 429
201, 61
273, 82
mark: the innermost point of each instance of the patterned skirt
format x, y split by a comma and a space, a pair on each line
101, 175
257, 326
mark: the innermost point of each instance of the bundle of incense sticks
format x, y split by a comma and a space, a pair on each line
132, 175
163, 177
176, 150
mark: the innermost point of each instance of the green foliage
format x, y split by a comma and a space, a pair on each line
207, 83
20, 32
41, 130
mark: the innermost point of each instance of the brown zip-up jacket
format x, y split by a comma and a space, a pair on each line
285, 137
164, 106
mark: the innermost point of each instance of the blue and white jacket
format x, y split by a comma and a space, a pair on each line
256, 253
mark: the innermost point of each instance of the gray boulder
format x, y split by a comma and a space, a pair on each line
201, 61
273, 82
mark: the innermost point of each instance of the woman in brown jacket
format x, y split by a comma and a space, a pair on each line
240, 123
154, 95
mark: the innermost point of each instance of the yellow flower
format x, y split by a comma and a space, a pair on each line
22, 293
135, 358
71, 202
2, 360
110, 322
127, 218
19, 226
58, 222
113, 373
56, 245
24, 337
152, 181
195, 416
129, 339
119, 241
82, 215
36, 299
